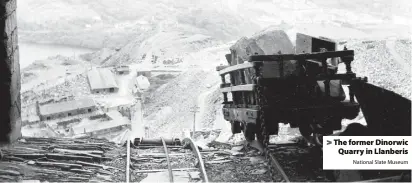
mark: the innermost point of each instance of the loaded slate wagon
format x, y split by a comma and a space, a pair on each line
301, 88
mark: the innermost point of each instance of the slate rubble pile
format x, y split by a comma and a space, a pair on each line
380, 67
57, 160
404, 49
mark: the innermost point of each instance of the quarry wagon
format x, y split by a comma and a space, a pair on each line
267, 83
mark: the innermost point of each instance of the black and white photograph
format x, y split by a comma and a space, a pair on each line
205, 91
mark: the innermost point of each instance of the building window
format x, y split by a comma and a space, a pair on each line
69, 114
89, 110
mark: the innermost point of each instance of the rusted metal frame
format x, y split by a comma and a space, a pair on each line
346, 54
169, 166
196, 151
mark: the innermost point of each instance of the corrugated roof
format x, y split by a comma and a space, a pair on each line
66, 106
101, 78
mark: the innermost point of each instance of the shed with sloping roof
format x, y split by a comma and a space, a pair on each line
65, 109
95, 127
102, 80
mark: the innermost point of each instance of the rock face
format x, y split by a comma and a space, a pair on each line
265, 43
262, 43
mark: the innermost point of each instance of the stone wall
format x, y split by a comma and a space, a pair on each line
10, 104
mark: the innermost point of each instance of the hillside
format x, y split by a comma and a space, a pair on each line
194, 36
108, 23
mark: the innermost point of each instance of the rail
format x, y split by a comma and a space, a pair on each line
141, 143
278, 166
128, 160
196, 151
169, 166
298, 175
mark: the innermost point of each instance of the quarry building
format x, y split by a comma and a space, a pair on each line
102, 80
145, 73
115, 121
122, 70
66, 109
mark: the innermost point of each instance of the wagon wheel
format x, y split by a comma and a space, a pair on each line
249, 132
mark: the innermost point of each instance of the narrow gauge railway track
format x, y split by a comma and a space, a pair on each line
146, 156
294, 162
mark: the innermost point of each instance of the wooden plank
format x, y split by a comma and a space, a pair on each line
162, 155
58, 164
221, 67
164, 170
68, 157
329, 54
236, 67
248, 87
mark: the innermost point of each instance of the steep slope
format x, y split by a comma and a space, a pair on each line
108, 23
155, 31
167, 109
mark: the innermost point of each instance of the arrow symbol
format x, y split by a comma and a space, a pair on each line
328, 142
